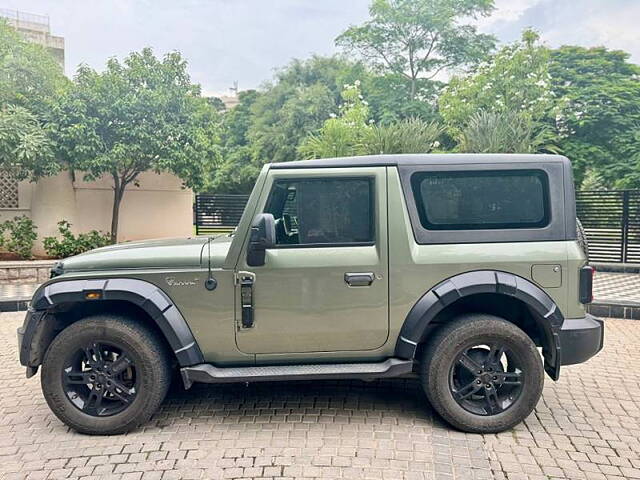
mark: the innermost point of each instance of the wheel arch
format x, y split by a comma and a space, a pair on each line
432, 308
67, 296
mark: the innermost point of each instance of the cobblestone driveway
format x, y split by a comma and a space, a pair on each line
587, 426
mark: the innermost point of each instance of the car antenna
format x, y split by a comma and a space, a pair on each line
210, 283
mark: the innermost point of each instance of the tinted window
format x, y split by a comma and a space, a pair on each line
322, 211
481, 199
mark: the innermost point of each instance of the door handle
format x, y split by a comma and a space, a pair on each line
359, 279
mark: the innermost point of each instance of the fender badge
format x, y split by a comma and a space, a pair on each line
172, 282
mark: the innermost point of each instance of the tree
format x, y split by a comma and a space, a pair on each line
30, 79
26, 149
342, 135
417, 39
352, 132
238, 169
303, 96
598, 116
516, 79
137, 115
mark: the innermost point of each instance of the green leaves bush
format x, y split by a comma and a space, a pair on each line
70, 244
17, 236
504, 132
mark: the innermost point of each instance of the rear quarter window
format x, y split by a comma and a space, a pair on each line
474, 200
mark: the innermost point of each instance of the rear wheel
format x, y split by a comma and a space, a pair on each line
105, 375
482, 374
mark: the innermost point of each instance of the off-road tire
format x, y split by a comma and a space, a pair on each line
151, 359
440, 353
581, 236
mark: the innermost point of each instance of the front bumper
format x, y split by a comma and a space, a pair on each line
580, 339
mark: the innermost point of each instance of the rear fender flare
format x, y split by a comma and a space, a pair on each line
150, 298
546, 313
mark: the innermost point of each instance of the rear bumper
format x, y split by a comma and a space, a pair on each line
580, 339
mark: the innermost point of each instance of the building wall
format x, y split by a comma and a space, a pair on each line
158, 208
35, 28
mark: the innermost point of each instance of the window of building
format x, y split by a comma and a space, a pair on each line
475, 200
323, 211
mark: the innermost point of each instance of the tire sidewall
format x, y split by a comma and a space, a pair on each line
112, 331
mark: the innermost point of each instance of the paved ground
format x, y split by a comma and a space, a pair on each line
587, 426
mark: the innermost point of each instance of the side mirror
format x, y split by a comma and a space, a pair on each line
262, 236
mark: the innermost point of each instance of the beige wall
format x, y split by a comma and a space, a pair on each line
159, 207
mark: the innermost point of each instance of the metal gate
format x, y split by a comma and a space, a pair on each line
218, 213
612, 222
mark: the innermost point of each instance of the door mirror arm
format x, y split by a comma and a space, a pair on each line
262, 237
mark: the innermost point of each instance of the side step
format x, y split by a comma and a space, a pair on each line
208, 373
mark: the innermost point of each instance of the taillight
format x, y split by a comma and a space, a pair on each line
586, 284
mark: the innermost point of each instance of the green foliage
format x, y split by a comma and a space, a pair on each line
389, 98
26, 148
29, 75
598, 113
416, 39
592, 180
139, 115
344, 134
303, 97
515, 79
269, 125
504, 132
17, 236
70, 244
412, 135
30, 79
238, 170
353, 133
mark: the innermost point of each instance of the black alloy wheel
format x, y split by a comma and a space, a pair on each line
100, 379
486, 379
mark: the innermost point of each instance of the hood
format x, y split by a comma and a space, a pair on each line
160, 253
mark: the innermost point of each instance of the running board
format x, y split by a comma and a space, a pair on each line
207, 373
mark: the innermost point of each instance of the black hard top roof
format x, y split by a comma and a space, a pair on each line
423, 159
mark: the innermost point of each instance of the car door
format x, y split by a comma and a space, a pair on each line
324, 286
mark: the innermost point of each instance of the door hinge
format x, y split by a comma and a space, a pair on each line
246, 280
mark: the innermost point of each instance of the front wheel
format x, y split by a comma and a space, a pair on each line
482, 374
105, 375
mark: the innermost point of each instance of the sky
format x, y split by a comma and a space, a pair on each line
247, 40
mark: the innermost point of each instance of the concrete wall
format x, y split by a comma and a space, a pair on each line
159, 207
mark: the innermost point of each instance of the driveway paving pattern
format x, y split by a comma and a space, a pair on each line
587, 426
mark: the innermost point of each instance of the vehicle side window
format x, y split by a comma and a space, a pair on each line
323, 211
503, 199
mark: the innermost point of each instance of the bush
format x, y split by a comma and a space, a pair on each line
412, 135
21, 235
70, 244
504, 132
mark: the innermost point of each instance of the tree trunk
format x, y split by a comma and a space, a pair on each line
118, 193
412, 95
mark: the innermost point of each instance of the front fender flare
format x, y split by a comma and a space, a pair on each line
155, 302
547, 315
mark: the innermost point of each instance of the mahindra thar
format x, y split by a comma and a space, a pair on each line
468, 272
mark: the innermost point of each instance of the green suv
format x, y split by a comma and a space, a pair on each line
457, 269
